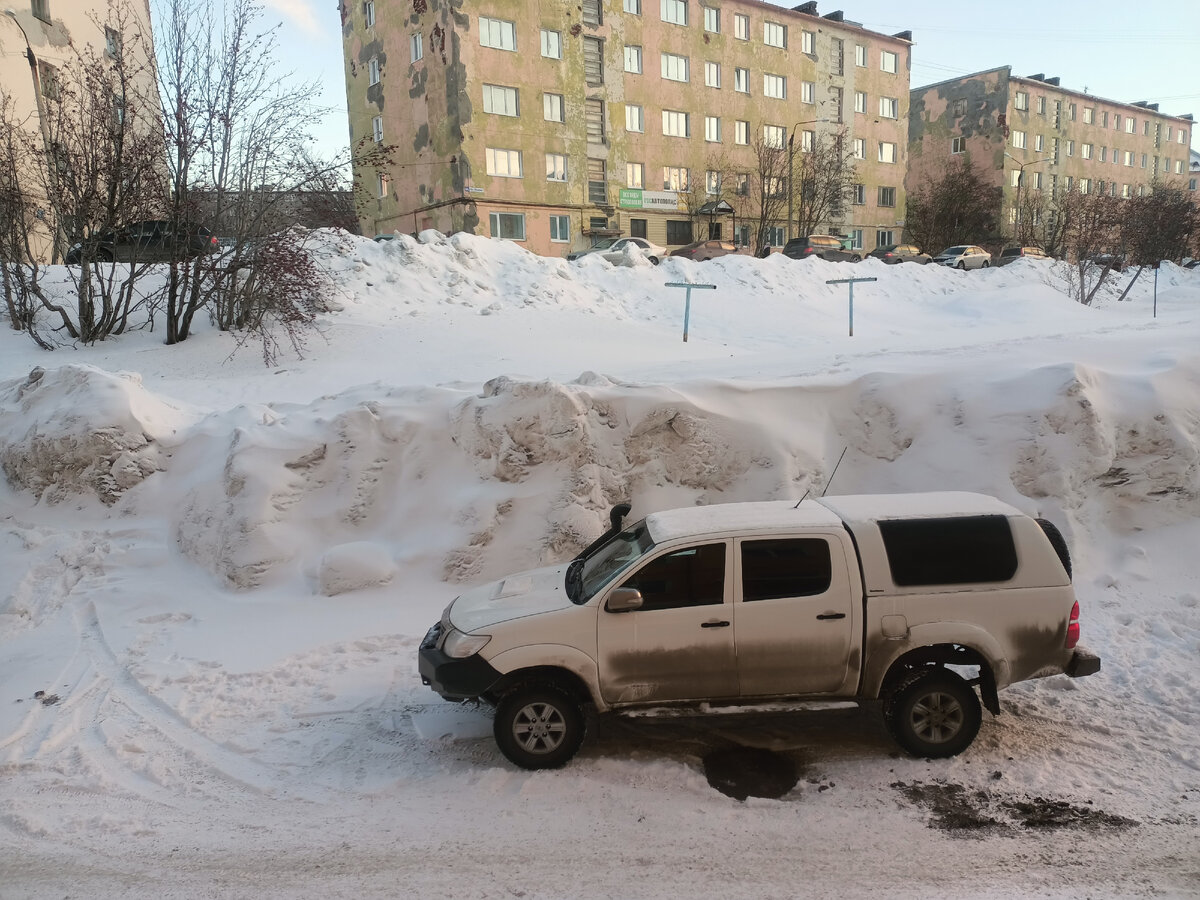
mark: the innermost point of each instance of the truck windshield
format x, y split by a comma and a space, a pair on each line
612, 558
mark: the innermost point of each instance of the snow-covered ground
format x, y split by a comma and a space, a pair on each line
214, 577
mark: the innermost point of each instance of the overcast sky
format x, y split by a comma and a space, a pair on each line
1119, 51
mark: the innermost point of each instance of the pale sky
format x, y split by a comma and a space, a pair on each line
1118, 51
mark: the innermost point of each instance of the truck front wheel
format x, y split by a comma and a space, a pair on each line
933, 714
539, 727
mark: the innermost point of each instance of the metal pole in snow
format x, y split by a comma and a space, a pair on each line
1155, 292
687, 300
851, 282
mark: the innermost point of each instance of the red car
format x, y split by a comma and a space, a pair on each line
702, 250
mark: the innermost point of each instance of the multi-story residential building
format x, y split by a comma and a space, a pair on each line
557, 122
39, 37
1035, 138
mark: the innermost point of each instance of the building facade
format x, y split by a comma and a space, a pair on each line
556, 122
1035, 138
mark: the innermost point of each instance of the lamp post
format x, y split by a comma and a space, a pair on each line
51, 168
1021, 181
792, 167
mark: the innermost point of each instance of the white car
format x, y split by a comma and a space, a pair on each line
614, 250
964, 256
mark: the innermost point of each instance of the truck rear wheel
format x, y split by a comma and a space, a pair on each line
933, 713
539, 727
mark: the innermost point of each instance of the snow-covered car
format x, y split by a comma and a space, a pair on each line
615, 249
151, 241
912, 599
964, 256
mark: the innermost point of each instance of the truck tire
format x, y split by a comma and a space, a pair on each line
1058, 542
933, 713
539, 727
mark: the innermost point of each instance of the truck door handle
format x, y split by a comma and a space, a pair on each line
714, 624
832, 616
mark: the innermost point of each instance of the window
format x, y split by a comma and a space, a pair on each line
712, 20
1146, 128
958, 145
675, 178
1103, 118
774, 136
674, 68
858, 194
635, 175
1071, 111
675, 12
41, 9
637, 228
1129, 157
592, 14
958, 550
1021, 101
1018, 140
1085, 150
1143, 160
497, 33
1037, 181
112, 47
807, 140
504, 163
837, 62
741, 132
502, 101
776, 86
791, 567
1016, 177
808, 92
508, 226
1041, 106
712, 129
679, 232
556, 167
633, 59
633, 6
958, 108
889, 108
593, 120
1089, 115
887, 152
773, 186
634, 118
377, 129
416, 47
742, 186
1117, 122
860, 56
887, 61
597, 183
1182, 136
551, 44
1126, 192
1130, 125
775, 238
741, 27
712, 74
887, 196
1070, 148
373, 70
381, 186
856, 239
860, 148
1103, 154
741, 80
808, 42
552, 107
774, 34
1039, 142
1085, 185
1179, 167
560, 229
860, 101
369, 13
593, 61
884, 239
712, 182
675, 123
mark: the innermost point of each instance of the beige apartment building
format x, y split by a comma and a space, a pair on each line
557, 122
1036, 138
38, 38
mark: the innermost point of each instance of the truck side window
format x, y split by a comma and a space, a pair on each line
694, 576
956, 550
791, 567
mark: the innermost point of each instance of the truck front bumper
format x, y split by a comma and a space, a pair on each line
453, 679
1083, 662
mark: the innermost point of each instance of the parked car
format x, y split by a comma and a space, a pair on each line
894, 254
150, 241
1011, 254
832, 600
702, 250
614, 249
1114, 262
825, 246
1192, 264
964, 256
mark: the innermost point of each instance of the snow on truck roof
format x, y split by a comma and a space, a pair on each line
782, 515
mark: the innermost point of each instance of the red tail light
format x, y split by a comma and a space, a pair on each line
1073, 627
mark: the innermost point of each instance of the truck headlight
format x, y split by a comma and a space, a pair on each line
460, 645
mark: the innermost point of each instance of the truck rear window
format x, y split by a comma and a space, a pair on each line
956, 550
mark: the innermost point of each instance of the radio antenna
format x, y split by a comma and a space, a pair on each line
802, 499
834, 472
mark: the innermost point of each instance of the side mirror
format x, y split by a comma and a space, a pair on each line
624, 600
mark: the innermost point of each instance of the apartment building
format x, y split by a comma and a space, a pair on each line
1036, 138
558, 122
38, 38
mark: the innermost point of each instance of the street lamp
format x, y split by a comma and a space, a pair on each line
792, 167
1020, 181
51, 167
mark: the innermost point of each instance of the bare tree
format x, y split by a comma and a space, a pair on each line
822, 175
768, 186
957, 207
1091, 235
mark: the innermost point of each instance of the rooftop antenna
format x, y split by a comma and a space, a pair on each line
802, 499
834, 472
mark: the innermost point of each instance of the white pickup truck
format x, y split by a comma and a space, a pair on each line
912, 599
